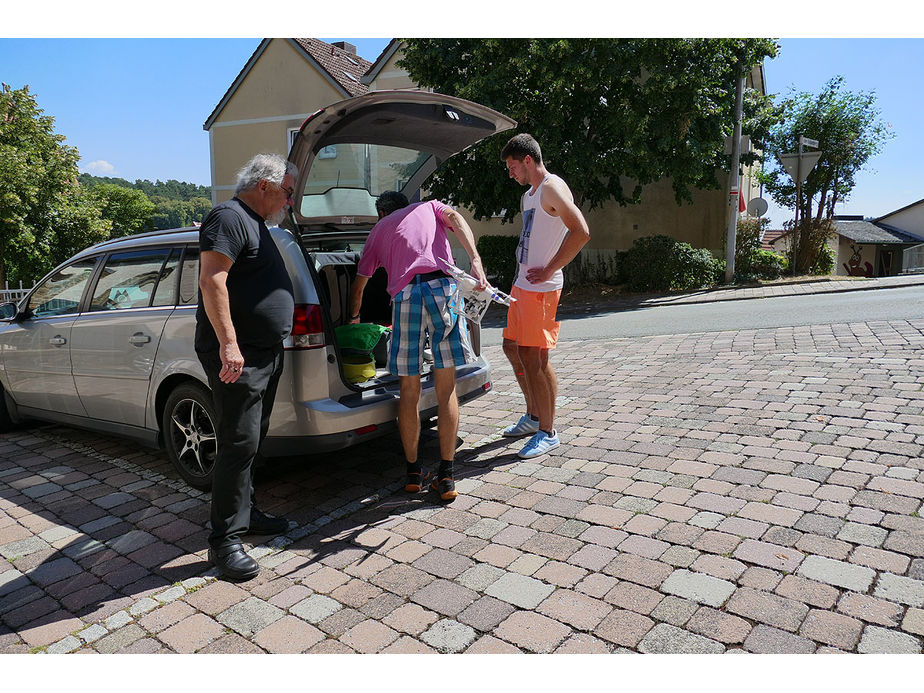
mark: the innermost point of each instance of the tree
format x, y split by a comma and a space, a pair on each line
130, 211
611, 115
41, 202
849, 133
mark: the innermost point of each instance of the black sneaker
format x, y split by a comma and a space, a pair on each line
446, 488
266, 525
416, 478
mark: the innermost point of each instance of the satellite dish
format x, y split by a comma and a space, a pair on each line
757, 207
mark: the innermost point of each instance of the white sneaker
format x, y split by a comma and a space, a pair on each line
539, 444
526, 426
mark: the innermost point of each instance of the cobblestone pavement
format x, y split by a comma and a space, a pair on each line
755, 491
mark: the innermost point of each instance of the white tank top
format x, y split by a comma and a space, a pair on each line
540, 239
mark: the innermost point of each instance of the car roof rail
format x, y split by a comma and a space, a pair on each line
146, 234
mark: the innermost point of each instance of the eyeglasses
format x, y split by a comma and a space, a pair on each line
288, 191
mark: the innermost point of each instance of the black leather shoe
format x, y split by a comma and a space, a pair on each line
233, 562
267, 525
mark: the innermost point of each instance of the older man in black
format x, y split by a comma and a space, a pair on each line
245, 312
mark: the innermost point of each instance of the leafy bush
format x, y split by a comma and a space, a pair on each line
498, 255
751, 261
662, 263
825, 260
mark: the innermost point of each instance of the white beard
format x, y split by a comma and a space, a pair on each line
277, 218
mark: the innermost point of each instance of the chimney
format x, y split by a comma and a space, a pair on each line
344, 46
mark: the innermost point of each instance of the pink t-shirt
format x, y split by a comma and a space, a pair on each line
407, 242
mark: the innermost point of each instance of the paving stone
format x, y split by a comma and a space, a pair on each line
832, 629
519, 590
698, 587
250, 616
885, 641
642, 571
410, 618
767, 640
486, 613
767, 608
837, 573
582, 643
192, 633
674, 610
447, 598
718, 626
808, 591
667, 639
532, 632
896, 588
867, 535
316, 608
870, 609
624, 628
575, 609
768, 555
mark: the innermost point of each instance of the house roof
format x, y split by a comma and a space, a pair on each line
341, 68
906, 207
869, 232
768, 236
379, 63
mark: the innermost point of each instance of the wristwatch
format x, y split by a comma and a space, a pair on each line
355, 317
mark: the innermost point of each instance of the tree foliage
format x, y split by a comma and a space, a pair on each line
849, 133
176, 203
611, 115
129, 211
44, 212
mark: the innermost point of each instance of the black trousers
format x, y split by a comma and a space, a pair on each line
243, 411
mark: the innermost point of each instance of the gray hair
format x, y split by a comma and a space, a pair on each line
271, 167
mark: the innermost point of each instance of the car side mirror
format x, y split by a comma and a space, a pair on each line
8, 311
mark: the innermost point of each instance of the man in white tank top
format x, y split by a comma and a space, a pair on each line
554, 231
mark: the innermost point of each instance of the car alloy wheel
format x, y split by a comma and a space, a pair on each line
189, 434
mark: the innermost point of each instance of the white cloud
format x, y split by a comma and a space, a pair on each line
99, 168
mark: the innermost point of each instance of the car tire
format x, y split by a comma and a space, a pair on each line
189, 434
6, 421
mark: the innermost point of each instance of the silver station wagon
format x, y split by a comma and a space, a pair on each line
105, 341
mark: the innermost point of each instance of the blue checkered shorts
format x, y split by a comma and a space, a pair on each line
421, 309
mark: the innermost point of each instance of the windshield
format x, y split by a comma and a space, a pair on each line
345, 179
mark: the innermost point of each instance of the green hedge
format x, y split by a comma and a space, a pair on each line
498, 255
662, 263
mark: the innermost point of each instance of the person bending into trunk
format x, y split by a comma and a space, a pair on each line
410, 241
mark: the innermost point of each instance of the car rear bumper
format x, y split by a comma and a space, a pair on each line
361, 417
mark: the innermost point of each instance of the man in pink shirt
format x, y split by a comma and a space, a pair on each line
411, 243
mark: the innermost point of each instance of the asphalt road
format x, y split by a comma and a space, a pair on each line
906, 303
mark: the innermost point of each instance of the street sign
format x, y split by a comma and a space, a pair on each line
791, 163
805, 141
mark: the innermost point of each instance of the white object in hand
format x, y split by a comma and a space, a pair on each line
468, 301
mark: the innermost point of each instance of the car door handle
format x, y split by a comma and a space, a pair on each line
57, 340
139, 338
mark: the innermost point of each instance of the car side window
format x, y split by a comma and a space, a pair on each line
127, 280
189, 278
165, 294
60, 294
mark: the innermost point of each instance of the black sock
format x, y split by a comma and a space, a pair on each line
548, 433
413, 467
445, 469
534, 418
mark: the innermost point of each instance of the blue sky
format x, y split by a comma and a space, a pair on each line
135, 107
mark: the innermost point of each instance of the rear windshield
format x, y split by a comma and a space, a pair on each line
345, 179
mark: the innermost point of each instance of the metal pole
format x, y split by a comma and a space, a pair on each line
797, 234
733, 178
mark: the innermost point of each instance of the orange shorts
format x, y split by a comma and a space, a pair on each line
531, 319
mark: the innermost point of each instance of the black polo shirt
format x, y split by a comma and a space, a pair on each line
259, 287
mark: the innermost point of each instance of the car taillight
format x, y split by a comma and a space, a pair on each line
307, 327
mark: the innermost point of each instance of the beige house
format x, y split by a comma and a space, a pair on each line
261, 110
871, 248
284, 82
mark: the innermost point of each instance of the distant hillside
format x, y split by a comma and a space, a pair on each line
178, 204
